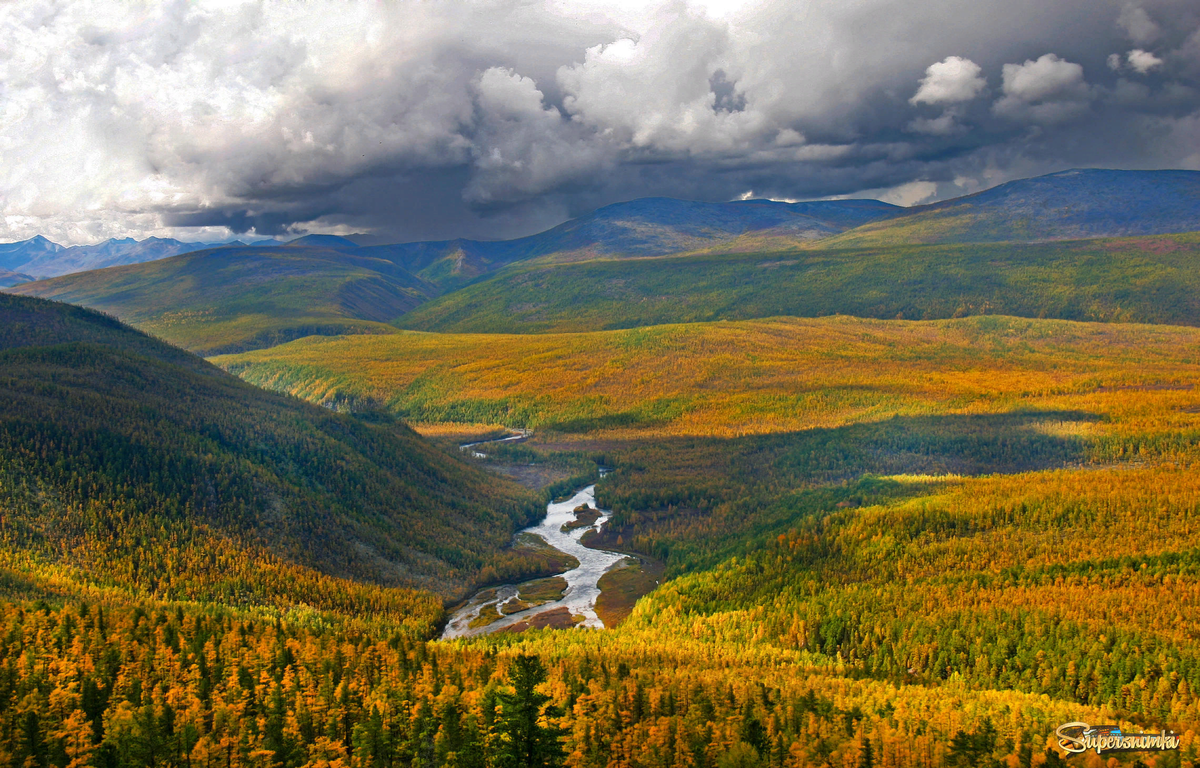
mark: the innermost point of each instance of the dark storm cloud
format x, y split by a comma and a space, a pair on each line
495, 119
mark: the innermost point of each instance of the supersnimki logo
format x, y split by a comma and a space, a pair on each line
1080, 737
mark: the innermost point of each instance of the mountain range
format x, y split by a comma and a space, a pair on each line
659, 260
41, 258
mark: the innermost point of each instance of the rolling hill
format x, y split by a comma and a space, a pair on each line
656, 261
1146, 280
130, 464
236, 298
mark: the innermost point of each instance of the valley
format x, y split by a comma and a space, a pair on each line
786, 485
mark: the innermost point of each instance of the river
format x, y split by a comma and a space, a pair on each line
582, 583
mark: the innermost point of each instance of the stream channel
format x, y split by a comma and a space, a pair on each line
579, 598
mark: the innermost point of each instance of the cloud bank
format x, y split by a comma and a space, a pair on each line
497, 119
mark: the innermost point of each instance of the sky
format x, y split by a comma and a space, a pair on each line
490, 120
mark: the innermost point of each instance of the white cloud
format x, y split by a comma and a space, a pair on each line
1048, 78
1142, 61
912, 193
949, 81
1048, 90
488, 118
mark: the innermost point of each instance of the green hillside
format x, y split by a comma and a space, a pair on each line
1145, 279
231, 299
130, 464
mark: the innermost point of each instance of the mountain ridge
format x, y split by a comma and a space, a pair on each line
1068, 205
232, 299
236, 298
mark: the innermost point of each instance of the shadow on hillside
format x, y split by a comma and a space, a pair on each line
934, 445
693, 501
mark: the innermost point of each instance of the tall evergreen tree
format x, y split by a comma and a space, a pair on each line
529, 738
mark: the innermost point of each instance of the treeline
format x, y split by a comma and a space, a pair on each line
160, 685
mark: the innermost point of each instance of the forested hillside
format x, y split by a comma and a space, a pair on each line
132, 464
1146, 280
964, 532
730, 379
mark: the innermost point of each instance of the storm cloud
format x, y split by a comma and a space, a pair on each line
498, 119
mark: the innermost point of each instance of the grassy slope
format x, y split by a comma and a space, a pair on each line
152, 470
230, 299
1148, 280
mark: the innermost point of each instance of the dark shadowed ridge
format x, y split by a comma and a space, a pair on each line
1071, 205
655, 226
323, 241
8, 278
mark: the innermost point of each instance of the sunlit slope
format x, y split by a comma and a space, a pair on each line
230, 299
1061, 206
949, 523
733, 378
1053, 550
137, 465
1146, 280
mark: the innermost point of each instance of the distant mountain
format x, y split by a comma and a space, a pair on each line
14, 256
838, 256
137, 465
322, 241
232, 299
79, 258
654, 226
1069, 205
237, 298
9, 278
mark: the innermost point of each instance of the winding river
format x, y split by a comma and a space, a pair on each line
582, 583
